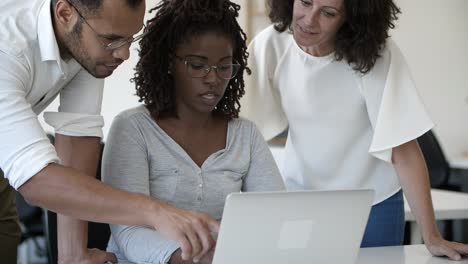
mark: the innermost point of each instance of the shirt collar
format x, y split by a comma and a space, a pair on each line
46, 35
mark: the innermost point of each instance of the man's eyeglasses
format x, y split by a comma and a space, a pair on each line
197, 69
112, 45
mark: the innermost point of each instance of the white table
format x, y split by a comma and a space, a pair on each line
460, 163
414, 254
448, 205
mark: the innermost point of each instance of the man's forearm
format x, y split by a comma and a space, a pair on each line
82, 154
72, 238
70, 192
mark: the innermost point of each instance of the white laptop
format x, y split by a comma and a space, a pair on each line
308, 227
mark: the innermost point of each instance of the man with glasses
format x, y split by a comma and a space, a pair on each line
59, 47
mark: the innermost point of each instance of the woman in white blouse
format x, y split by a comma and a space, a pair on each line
328, 71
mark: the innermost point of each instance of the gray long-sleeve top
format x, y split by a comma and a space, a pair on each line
140, 157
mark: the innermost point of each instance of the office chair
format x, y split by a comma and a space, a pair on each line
98, 233
32, 227
437, 165
30, 218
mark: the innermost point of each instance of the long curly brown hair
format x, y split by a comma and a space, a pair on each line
363, 35
175, 22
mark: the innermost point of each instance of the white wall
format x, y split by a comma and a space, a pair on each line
431, 35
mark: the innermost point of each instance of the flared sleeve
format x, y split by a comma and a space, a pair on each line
394, 106
261, 102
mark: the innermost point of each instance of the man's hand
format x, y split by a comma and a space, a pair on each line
90, 256
192, 230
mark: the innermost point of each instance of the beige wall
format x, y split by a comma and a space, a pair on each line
432, 34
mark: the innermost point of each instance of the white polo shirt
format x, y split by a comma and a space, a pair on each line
32, 75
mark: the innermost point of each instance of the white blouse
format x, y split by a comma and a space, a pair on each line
342, 124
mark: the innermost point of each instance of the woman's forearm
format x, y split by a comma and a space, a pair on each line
412, 171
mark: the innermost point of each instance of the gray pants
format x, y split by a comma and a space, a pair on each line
10, 232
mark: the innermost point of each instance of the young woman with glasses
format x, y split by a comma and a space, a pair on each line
186, 145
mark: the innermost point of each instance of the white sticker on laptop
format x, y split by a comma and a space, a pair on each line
295, 234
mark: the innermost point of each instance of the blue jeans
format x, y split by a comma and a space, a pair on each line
386, 224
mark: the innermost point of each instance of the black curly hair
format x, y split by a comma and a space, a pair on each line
175, 22
363, 35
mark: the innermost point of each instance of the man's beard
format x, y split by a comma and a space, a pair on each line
75, 50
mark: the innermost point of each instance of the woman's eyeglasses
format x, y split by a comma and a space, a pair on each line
197, 69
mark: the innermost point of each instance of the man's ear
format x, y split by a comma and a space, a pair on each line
65, 15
